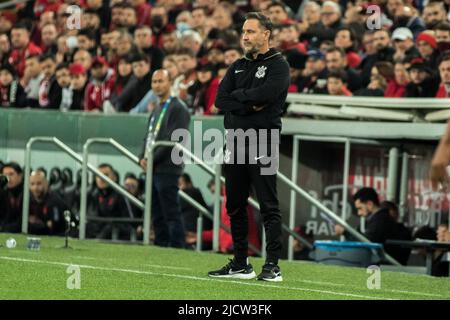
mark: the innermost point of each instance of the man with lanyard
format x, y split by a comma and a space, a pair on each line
169, 115
252, 94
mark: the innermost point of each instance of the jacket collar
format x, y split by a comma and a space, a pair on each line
269, 54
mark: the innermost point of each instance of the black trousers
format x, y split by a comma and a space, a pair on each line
240, 178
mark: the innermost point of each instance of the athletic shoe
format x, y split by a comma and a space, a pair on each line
270, 272
234, 270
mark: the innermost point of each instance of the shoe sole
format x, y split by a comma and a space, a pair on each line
242, 276
277, 279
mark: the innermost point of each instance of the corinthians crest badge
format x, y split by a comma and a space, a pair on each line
261, 72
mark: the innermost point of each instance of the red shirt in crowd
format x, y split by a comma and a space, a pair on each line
18, 57
394, 90
442, 92
353, 59
143, 14
98, 92
41, 6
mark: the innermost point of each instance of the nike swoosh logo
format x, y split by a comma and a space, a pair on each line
237, 271
257, 158
237, 71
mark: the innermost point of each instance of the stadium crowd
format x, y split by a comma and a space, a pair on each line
101, 56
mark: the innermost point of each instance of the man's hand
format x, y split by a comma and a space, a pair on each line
50, 224
438, 171
339, 230
143, 164
257, 109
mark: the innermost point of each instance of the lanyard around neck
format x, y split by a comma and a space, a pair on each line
160, 118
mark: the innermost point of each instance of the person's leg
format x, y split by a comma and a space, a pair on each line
266, 192
237, 192
170, 204
159, 221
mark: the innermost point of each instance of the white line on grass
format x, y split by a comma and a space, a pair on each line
198, 278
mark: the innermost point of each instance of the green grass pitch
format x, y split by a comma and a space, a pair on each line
121, 271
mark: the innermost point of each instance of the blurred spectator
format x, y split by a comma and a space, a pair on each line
384, 52
442, 33
143, 41
314, 77
22, 47
131, 184
124, 75
396, 88
105, 202
232, 54
190, 213
444, 71
199, 17
138, 85
427, 46
31, 81
12, 93
296, 61
345, 39
301, 252
79, 82
100, 87
201, 90
407, 16
5, 48
434, 13
46, 207
186, 62
336, 59
84, 58
63, 94
404, 45
278, 13
379, 225
86, 40
143, 10
160, 24
289, 36
11, 198
337, 84
330, 16
49, 35
193, 41
48, 85
171, 42
311, 25
382, 73
423, 83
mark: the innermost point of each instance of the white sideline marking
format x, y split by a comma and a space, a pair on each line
196, 278
149, 265
350, 286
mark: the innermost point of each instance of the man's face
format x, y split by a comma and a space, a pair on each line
129, 17
425, 49
5, 78
32, 67
441, 233
363, 208
334, 61
289, 34
123, 46
368, 44
4, 43
204, 76
231, 56
99, 71
381, 40
403, 45
170, 42
277, 14
311, 14
434, 14
124, 68
19, 38
107, 172
78, 81
328, 15
132, 186
63, 78
417, 76
38, 185
198, 18
83, 58
393, 5
334, 86
160, 83
254, 37
49, 34
442, 35
222, 18
143, 38
444, 71
116, 15
141, 68
342, 39
215, 56
185, 63
84, 42
14, 178
401, 74
48, 68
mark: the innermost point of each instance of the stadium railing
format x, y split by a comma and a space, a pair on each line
360, 108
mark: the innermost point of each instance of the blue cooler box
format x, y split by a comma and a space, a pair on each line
347, 253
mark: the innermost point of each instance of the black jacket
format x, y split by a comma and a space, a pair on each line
50, 209
177, 117
133, 92
249, 82
11, 209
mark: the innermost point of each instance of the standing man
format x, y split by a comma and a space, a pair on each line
252, 95
169, 115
